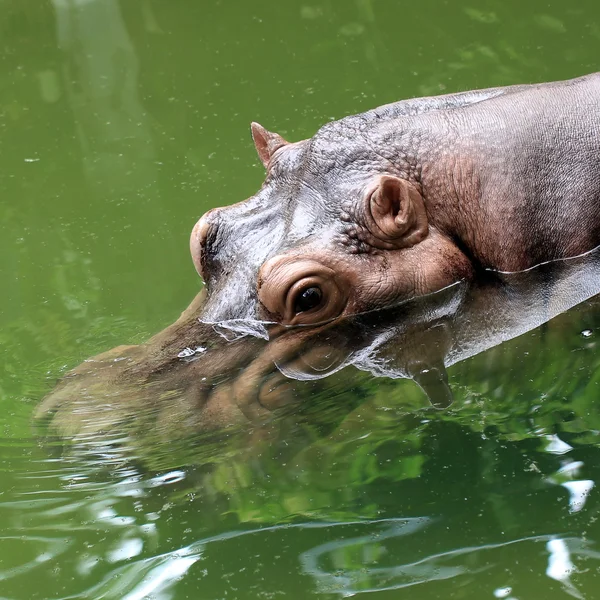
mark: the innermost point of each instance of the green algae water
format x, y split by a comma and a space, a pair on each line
121, 123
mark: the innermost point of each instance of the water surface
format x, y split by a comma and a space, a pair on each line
122, 122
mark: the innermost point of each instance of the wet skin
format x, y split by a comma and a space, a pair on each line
250, 380
405, 200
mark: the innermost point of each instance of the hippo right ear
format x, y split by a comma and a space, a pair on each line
266, 142
395, 213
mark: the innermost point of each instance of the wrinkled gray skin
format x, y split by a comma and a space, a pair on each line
509, 178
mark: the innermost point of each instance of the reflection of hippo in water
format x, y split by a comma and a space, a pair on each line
197, 380
406, 199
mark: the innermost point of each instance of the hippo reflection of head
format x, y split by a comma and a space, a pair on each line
337, 228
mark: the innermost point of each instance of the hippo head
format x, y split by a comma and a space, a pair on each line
339, 227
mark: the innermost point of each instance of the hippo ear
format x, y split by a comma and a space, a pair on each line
266, 142
396, 213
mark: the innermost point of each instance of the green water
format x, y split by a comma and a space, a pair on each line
121, 123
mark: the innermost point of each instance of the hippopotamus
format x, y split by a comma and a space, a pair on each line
404, 200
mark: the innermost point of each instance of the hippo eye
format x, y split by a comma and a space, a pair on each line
301, 291
308, 299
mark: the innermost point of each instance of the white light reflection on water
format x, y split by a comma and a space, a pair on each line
578, 493
556, 446
579, 490
161, 577
125, 550
560, 567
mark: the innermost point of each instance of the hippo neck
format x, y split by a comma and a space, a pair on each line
497, 167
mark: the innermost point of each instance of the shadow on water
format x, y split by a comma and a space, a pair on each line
311, 437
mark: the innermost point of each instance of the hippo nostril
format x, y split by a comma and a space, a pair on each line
203, 232
197, 242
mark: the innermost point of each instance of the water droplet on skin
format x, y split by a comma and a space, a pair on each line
586, 333
187, 352
502, 592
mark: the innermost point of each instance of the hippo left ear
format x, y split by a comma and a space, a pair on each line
396, 214
266, 142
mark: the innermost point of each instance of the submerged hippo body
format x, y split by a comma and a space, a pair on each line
404, 200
